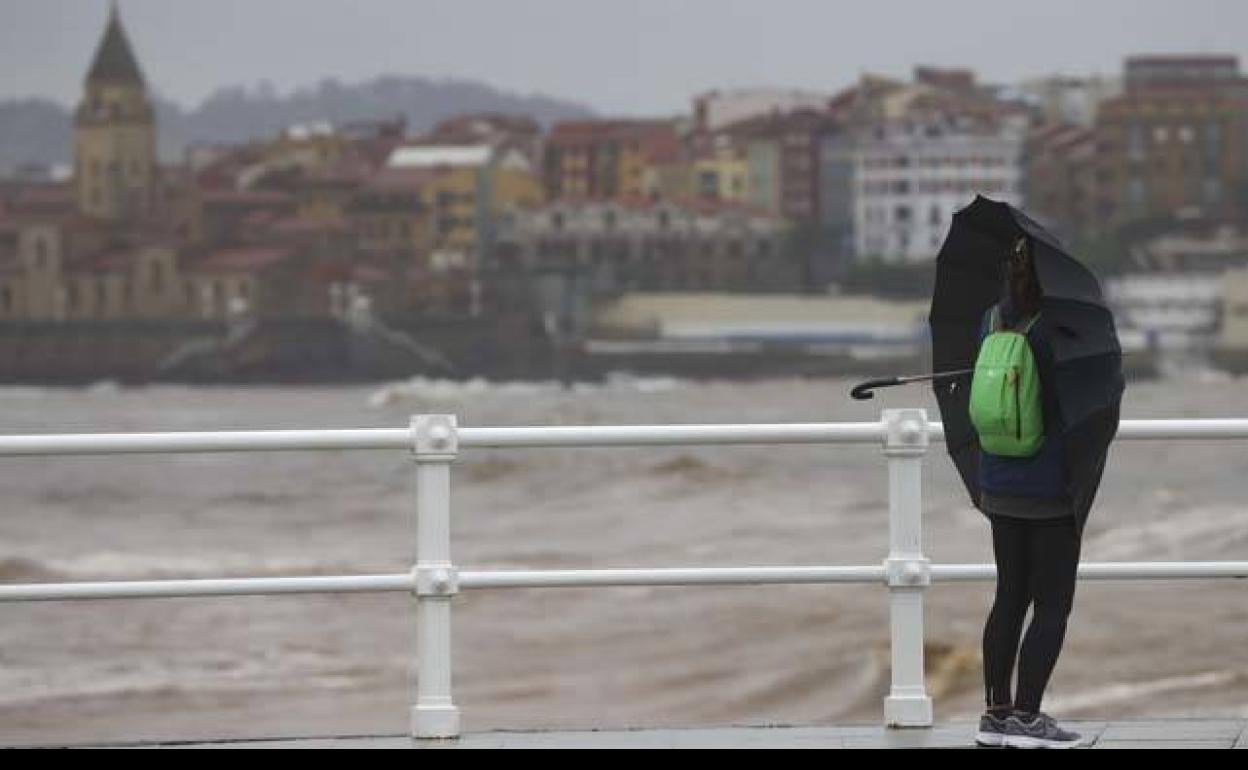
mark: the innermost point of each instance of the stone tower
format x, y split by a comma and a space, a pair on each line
115, 134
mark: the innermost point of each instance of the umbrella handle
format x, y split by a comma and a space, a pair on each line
862, 391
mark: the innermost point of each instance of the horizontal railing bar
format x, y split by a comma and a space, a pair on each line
168, 589
1158, 570
1225, 428
660, 435
691, 576
683, 576
544, 436
224, 441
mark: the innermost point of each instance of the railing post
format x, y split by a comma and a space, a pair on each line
909, 572
435, 443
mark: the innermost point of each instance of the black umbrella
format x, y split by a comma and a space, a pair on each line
1087, 358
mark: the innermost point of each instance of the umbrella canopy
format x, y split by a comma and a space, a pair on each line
1087, 358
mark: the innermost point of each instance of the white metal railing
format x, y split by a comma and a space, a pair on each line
436, 441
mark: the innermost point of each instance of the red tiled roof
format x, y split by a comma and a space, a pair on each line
57, 192
108, 260
843, 100
577, 129
1073, 138
657, 139
42, 200
260, 218
1059, 136
660, 145
585, 129
240, 260
774, 123
244, 197
401, 179
369, 274
350, 169
303, 226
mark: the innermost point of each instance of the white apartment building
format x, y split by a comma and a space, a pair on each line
717, 109
909, 177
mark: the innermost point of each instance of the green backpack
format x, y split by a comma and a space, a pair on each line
1005, 393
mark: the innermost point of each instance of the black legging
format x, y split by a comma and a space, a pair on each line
1036, 563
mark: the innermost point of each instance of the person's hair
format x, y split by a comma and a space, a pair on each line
1028, 299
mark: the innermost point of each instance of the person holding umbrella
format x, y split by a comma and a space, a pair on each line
1029, 383
1035, 539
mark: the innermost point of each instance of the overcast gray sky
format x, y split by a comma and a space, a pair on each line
617, 56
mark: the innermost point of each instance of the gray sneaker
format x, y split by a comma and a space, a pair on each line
991, 730
1038, 732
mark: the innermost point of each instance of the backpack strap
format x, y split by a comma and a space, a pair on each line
995, 323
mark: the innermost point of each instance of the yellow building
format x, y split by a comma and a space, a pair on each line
67, 274
1235, 309
670, 181
311, 147
632, 171
390, 213
115, 172
465, 188
608, 159
724, 177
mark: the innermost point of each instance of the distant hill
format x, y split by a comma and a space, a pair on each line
39, 130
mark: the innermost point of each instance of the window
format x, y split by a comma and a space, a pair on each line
1135, 142
157, 278
1213, 191
41, 253
902, 214
934, 216
6, 299
1136, 194
1213, 140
